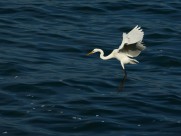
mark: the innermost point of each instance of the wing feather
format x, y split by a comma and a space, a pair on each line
134, 36
133, 50
132, 42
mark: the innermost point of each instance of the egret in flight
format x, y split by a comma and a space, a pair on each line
130, 47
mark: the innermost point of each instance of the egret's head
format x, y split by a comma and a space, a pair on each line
93, 51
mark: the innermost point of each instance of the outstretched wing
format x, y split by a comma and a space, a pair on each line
132, 50
132, 42
134, 36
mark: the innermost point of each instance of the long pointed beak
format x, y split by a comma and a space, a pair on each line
90, 53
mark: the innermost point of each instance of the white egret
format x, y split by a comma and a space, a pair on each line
130, 47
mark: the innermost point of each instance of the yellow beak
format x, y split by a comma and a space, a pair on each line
90, 53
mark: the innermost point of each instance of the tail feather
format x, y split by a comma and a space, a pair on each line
133, 61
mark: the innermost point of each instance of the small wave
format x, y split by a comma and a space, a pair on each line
87, 9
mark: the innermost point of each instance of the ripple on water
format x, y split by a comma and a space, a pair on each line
50, 87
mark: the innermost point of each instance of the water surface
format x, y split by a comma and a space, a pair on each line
49, 87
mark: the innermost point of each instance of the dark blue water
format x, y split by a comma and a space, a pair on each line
49, 87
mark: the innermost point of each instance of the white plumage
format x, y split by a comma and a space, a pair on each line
130, 47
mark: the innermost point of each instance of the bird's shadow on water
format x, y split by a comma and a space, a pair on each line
122, 83
125, 84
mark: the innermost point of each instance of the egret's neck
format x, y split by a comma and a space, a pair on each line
104, 57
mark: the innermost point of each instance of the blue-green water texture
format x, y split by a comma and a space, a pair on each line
49, 87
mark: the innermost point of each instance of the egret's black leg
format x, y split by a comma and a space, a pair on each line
121, 86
